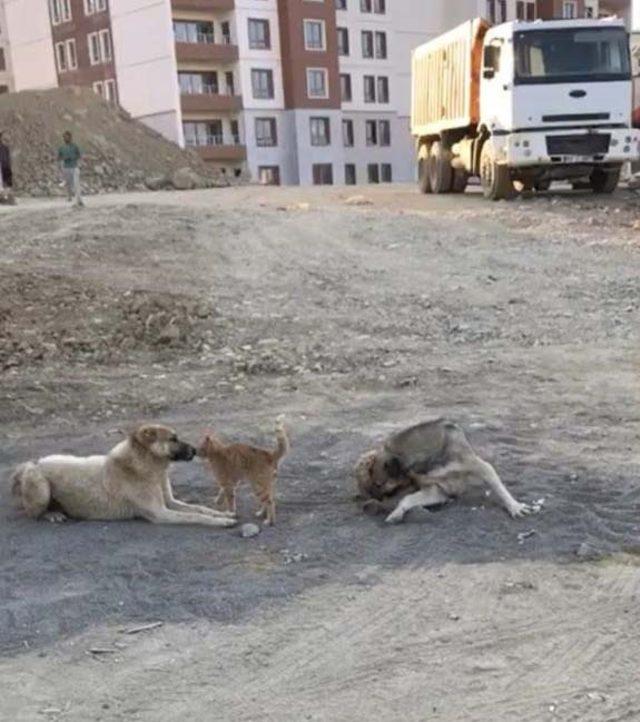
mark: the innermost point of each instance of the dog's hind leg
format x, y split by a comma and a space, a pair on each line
33, 489
490, 476
433, 496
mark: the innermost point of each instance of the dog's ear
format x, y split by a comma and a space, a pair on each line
145, 435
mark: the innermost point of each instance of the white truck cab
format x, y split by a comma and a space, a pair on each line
545, 100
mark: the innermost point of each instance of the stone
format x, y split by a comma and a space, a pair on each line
358, 201
248, 531
156, 182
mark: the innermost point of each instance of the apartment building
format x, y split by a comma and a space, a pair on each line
286, 91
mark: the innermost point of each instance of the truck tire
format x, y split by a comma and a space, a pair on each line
459, 180
424, 184
605, 180
495, 178
439, 168
542, 185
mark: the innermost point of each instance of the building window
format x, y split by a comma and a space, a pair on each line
373, 173
385, 172
4, 89
259, 35
72, 56
367, 44
379, 7
317, 83
98, 88
269, 175
383, 89
345, 87
3, 62
262, 83
588, 11
61, 57
347, 133
229, 83
225, 29
350, 174
341, 4
497, 10
203, 133
384, 132
322, 174
105, 46
198, 83
369, 89
110, 91
365, 6
525, 10
94, 6
193, 32
371, 132
314, 35
266, 134
235, 131
343, 41
570, 9
60, 11
320, 131
381, 45
99, 47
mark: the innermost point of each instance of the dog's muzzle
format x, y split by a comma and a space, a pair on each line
184, 452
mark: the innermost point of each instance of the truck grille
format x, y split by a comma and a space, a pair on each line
587, 144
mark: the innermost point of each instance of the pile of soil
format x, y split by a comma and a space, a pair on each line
119, 152
60, 318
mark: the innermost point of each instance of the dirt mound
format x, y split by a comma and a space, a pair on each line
60, 318
119, 153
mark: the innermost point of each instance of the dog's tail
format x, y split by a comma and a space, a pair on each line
282, 449
19, 474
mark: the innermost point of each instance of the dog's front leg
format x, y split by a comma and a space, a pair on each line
490, 476
433, 496
161, 515
172, 503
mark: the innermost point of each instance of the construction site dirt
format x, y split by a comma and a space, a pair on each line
352, 315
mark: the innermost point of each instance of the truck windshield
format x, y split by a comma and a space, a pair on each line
571, 55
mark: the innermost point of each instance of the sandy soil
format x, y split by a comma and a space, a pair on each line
226, 308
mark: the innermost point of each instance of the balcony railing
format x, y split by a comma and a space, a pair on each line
202, 5
209, 140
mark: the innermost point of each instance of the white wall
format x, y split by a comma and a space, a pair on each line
30, 46
144, 53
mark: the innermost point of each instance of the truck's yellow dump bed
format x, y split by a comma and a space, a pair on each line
445, 80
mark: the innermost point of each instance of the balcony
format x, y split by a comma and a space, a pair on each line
219, 148
209, 100
207, 50
202, 5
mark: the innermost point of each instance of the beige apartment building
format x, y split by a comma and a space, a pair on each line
282, 91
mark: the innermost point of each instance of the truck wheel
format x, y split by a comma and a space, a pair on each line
542, 185
459, 180
424, 184
439, 168
605, 181
495, 179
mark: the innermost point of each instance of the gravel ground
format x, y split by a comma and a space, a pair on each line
226, 308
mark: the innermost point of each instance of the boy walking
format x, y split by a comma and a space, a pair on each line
69, 157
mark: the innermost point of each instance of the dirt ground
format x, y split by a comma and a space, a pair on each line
226, 308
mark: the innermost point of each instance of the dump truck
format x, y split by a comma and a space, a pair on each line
523, 104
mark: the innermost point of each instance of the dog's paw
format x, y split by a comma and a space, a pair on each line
55, 517
394, 518
518, 509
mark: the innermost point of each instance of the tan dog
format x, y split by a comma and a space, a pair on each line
427, 465
233, 463
130, 482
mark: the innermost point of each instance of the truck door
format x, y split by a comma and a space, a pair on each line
495, 86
